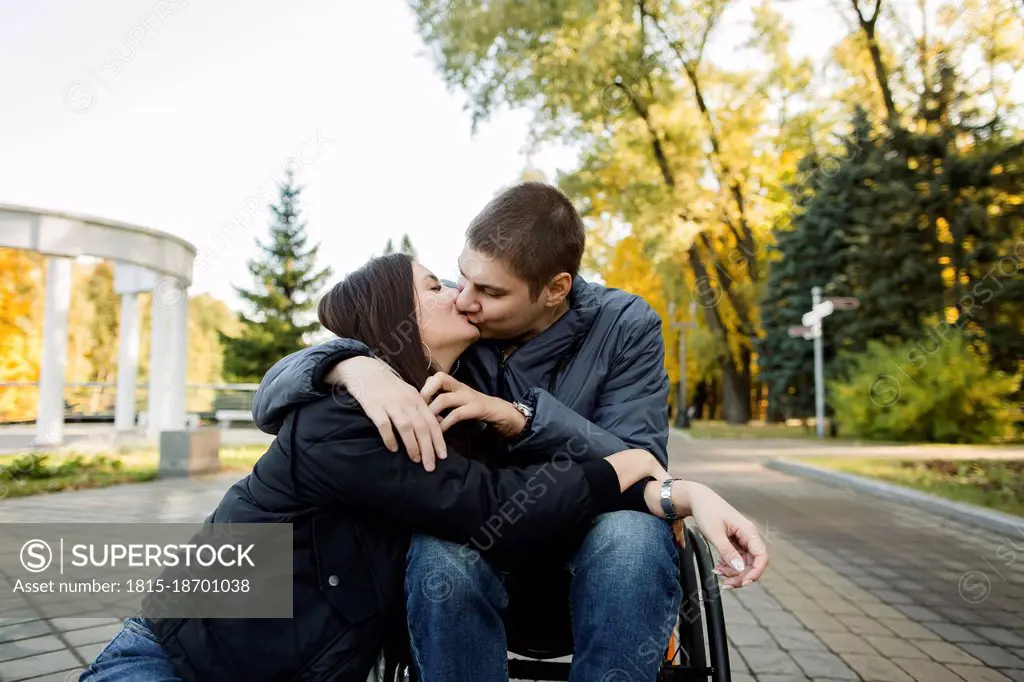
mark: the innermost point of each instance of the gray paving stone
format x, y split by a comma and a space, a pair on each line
89, 652
35, 628
955, 633
894, 647
1013, 674
69, 624
876, 668
819, 621
736, 661
994, 656
42, 664
863, 625
781, 678
943, 652
961, 616
1001, 636
773, 619
797, 639
973, 673
60, 676
846, 642
101, 633
893, 597
926, 671
743, 636
1005, 618
879, 610
917, 613
908, 629
29, 647
765, 660
823, 664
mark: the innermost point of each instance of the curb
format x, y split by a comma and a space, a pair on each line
959, 511
682, 433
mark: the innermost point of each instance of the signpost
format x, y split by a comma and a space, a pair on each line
811, 329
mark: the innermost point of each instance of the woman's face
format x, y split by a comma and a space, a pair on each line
442, 326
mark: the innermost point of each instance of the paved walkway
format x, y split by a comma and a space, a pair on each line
858, 588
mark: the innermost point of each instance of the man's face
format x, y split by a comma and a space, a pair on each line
494, 299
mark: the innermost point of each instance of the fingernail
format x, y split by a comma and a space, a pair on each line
726, 587
737, 563
444, 455
716, 571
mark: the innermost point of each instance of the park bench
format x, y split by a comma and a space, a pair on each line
225, 417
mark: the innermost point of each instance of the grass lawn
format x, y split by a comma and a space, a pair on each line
994, 483
757, 430
702, 429
32, 474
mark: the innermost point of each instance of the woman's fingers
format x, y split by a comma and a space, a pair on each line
382, 421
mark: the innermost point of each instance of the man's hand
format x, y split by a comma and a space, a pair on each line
387, 399
467, 403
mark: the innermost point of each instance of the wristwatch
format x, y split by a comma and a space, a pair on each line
526, 411
666, 499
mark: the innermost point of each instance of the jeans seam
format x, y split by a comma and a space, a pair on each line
140, 629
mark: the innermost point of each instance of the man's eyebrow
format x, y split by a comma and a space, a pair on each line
489, 287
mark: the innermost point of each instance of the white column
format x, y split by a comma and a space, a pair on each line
158, 346
50, 415
127, 363
177, 356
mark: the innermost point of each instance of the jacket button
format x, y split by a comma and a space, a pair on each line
333, 581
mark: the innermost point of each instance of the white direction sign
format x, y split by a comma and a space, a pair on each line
818, 313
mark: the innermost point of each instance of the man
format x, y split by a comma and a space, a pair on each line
585, 364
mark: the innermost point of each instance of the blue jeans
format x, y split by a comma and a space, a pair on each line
618, 598
133, 655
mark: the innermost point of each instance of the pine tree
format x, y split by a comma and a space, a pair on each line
286, 284
806, 255
405, 247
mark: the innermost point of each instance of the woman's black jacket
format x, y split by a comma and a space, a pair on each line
353, 505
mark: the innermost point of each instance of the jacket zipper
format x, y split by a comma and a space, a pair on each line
499, 388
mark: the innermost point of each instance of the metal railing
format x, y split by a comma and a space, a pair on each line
95, 401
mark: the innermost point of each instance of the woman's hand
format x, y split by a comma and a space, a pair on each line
388, 400
467, 403
743, 554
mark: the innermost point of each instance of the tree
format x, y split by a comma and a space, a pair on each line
21, 329
286, 284
405, 247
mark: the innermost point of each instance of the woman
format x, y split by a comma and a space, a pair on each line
353, 505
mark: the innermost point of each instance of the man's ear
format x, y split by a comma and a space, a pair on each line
558, 289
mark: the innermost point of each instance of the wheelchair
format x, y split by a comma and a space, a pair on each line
697, 651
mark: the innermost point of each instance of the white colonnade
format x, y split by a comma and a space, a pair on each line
146, 261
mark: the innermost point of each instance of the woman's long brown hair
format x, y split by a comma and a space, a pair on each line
376, 304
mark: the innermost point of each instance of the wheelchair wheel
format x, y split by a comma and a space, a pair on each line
699, 648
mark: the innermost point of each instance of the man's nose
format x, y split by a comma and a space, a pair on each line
465, 302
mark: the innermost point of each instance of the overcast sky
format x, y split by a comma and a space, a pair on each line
176, 114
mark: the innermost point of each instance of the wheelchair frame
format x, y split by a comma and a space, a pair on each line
685, 660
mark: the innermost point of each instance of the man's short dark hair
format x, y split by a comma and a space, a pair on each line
534, 229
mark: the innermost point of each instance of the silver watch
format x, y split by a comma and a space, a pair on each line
666, 499
526, 411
